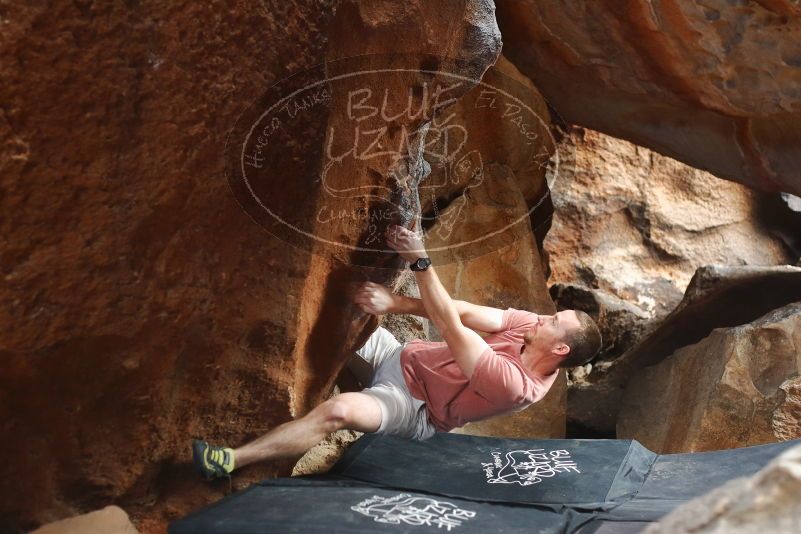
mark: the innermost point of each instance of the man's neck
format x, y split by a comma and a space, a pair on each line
544, 364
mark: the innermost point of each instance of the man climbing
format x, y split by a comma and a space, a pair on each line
423, 387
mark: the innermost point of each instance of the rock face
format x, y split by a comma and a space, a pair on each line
737, 387
713, 84
145, 306
716, 297
637, 225
765, 502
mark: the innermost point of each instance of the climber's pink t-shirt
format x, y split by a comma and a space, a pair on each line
499, 383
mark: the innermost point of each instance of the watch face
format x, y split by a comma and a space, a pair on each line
421, 264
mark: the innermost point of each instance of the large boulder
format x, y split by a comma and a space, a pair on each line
145, 307
633, 225
637, 225
737, 387
713, 84
765, 502
716, 297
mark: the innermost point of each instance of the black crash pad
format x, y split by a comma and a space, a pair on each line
593, 474
326, 506
457, 483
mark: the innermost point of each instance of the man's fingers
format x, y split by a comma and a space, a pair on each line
363, 300
367, 291
395, 232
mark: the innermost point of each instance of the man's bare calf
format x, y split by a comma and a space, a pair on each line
353, 411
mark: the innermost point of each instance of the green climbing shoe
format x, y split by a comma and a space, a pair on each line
212, 462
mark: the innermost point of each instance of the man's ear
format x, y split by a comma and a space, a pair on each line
561, 349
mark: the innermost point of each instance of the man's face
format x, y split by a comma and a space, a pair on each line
547, 335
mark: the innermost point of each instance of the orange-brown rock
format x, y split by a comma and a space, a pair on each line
714, 84
145, 307
484, 177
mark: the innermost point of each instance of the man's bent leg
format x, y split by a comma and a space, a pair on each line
352, 411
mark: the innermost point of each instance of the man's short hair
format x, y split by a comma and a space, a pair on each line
584, 341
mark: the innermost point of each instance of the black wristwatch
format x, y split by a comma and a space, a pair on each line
421, 264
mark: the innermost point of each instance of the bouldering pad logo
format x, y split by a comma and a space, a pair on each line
328, 158
527, 467
416, 511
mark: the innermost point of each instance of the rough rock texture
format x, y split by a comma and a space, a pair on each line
765, 502
322, 457
737, 387
660, 221
714, 84
490, 153
716, 297
109, 520
144, 306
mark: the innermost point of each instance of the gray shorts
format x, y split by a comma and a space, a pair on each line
401, 414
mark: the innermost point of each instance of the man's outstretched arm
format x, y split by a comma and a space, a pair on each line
466, 346
378, 300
